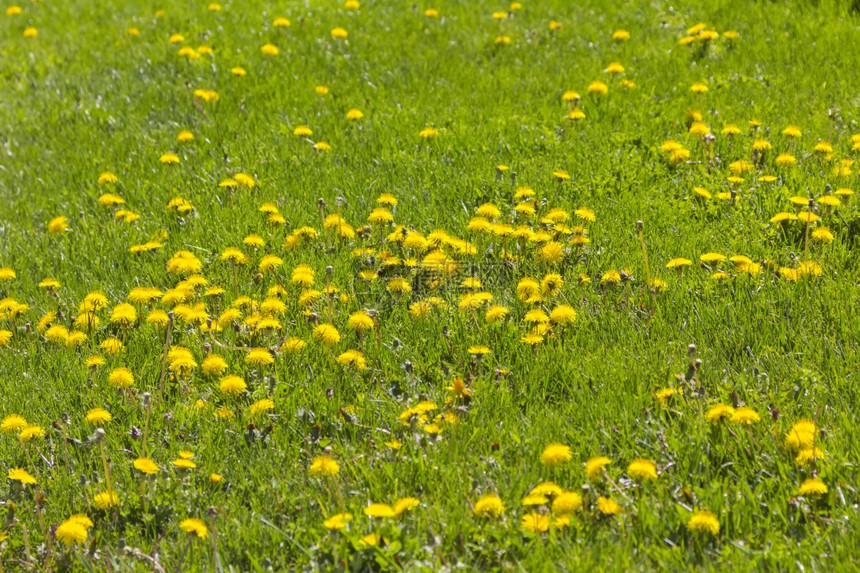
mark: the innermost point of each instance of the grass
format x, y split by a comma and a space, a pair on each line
84, 97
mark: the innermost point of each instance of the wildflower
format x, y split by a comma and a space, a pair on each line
146, 466
598, 88
379, 510
106, 500
489, 505
270, 262
238, 71
98, 417
339, 33
19, 475
71, 531
353, 358
354, 114
812, 487
214, 365
678, 263
745, 416
259, 357
12, 424
232, 385
719, 413
194, 527
699, 88
535, 523
169, 158
567, 502
620, 35
405, 504
562, 314
183, 464
121, 378
270, 50
58, 225
594, 467
608, 506
327, 334
642, 469
337, 521
428, 133
555, 455
704, 522
801, 435
261, 406
822, 235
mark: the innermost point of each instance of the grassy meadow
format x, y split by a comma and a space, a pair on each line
429, 286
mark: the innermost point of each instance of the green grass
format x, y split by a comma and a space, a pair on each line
85, 97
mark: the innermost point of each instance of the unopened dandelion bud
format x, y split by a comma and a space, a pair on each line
698, 363
407, 367
639, 226
691, 349
147, 399
340, 201
207, 348
98, 435
329, 270
258, 277
170, 315
211, 512
827, 189
321, 203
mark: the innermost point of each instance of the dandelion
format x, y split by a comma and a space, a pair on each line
801, 435
98, 417
194, 527
232, 386
339, 33
812, 487
354, 114
745, 416
379, 510
719, 413
146, 466
567, 502
594, 467
21, 476
71, 531
106, 500
58, 225
534, 523
338, 521
608, 506
642, 469
270, 50
259, 357
121, 377
261, 406
555, 454
704, 522
13, 424
598, 88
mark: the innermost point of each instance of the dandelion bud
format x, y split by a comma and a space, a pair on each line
82, 479
98, 435
407, 366
691, 349
698, 363
639, 226
28, 328
147, 399
445, 331
340, 201
321, 203
170, 315
329, 270
709, 138
258, 277
211, 512
827, 189
207, 348
513, 178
